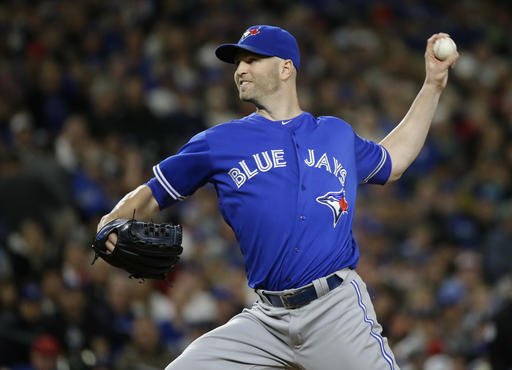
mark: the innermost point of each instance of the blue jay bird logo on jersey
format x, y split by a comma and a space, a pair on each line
336, 202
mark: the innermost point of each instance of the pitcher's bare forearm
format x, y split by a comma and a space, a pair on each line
404, 143
140, 201
406, 140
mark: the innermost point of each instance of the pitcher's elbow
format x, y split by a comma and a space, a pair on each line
394, 176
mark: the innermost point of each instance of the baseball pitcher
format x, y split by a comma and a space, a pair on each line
287, 183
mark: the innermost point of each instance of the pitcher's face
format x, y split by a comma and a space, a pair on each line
256, 76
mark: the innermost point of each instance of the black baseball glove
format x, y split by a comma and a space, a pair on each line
145, 249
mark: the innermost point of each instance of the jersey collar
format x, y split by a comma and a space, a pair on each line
290, 122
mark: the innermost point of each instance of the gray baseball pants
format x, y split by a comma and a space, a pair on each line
338, 331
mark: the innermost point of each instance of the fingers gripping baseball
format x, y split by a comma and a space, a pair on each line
436, 69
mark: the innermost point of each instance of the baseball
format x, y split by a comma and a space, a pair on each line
444, 48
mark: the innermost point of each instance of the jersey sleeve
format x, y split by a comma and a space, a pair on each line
372, 160
180, 175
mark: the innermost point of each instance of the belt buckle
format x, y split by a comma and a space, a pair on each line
284, 300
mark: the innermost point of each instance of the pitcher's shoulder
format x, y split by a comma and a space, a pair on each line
333, 121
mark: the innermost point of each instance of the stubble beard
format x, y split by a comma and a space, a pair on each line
260, 90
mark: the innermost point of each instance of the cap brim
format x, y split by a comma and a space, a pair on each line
227, 52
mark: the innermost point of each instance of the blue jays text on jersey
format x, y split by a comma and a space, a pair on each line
287, 189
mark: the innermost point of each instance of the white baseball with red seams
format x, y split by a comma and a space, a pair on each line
444, 48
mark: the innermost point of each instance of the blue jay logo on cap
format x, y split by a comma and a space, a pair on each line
250, 32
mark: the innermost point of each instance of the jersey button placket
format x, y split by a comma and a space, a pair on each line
302, 187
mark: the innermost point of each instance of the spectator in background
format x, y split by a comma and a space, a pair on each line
51, 287
20, 328
145, 350
77, 326
104, 111
137, 122
30, 251
72, 142
88, 184
499, 351
119, 315
23, 195
498, 254
75, 265
9, 303
44, 354
31, 144
49, 100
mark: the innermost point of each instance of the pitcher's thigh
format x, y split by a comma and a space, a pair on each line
348, 336
241, 343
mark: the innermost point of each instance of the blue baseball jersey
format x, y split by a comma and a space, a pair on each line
286, 188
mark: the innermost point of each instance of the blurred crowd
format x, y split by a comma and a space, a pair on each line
93, 93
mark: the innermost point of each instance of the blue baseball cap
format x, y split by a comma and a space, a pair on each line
263, 40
